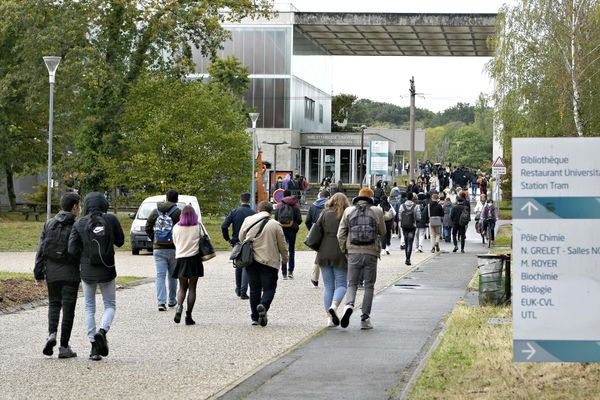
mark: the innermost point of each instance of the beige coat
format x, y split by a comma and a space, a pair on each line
270, 248
345, 245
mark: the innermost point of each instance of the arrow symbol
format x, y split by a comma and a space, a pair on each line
531, 351
529, 205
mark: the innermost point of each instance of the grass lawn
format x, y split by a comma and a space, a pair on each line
20, 288
474, 361
16, 234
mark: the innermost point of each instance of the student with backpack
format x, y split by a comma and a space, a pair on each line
408, 216
92, 241
389, 214
460, 217
288, 215
311, 218
359, 237
60, 271
159, 228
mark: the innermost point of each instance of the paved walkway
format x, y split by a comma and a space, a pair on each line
150, 356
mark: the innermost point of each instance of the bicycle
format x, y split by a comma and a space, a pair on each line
489, 233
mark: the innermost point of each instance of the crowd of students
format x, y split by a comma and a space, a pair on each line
352, 237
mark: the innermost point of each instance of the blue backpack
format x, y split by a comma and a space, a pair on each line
163, 227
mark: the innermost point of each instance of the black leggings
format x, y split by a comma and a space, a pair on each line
187, 285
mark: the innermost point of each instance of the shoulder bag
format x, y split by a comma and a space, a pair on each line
315, 235
242, 254
433, 221
207, 251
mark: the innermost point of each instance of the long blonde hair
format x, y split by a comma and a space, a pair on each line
338, 203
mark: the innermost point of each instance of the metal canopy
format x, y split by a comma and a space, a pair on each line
381, 34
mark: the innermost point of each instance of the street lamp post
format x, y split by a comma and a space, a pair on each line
362, 149
457, 153
254, 118
51, 64
274, 144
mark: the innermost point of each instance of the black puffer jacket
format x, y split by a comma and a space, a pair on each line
52, 270
79, 244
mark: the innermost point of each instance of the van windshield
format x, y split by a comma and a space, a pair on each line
146, 208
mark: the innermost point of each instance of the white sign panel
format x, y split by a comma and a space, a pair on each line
378, 164
556, 249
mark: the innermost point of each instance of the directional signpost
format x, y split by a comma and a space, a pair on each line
556, 249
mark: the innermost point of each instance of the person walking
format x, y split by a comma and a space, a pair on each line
339, 188
421, 232
60, 271
311, 218
333, 263
447, 221
288, 215
408, 216
434, 216
235, 219
378, 193
188, 266
92, 241
389, 214
270, 252
489, 216
159, 228
359, 236
459, 226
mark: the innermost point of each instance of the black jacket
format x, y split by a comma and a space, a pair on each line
291, 201
235, 218
52, 270
314, 211
434, 209
79, 245
455, 214
164, 207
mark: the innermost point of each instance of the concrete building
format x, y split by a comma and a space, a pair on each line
288, 58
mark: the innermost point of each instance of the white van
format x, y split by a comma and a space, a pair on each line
139, 239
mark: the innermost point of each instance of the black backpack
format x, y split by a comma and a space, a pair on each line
285, 215
100, 238
362, 226
56, 240
464, 218
407, 217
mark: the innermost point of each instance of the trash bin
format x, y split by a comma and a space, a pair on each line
491, 291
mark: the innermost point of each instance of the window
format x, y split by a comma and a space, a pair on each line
309, 109
320, 113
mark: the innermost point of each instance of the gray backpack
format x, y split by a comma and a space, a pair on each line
362, 226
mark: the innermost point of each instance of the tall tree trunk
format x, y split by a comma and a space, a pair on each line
576, 97
10, 187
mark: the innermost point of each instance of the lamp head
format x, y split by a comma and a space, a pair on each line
254, 118
52, 64
363, 127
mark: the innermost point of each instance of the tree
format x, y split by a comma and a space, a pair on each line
30, 29
230, 73
546, 69
188, 135
341, 105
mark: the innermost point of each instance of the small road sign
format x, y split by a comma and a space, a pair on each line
278, 195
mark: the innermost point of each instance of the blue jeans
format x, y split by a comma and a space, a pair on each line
108, 290
241, 280
164, 260
290, 238
334, 284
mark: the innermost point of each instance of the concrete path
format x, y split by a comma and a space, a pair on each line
375, 364
150, 356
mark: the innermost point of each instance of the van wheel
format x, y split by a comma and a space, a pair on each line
135, 252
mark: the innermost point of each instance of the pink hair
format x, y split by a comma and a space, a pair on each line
188, 216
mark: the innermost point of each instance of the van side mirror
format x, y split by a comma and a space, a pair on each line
131, 215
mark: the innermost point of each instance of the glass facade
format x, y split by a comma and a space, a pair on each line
265, 50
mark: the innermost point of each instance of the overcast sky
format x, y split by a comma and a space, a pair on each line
441, 81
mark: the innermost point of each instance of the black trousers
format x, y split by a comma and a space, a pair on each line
461, 231
263, 284
62, 294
